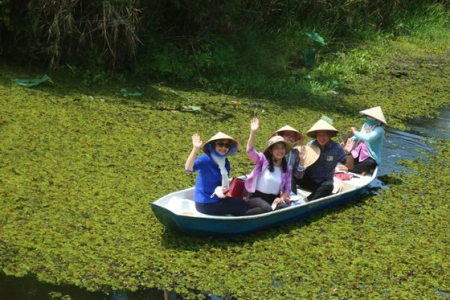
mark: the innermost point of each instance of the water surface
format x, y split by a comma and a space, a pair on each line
409, 145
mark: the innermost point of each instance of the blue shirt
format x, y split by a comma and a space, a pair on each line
324, 168
208, 178
373, 140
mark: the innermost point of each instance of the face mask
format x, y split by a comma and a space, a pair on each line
371, 122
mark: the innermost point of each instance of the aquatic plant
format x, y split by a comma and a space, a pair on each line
80, 166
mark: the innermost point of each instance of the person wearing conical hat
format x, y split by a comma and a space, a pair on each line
300, 157
290, 134
269, 184
213, 170
364, 147
319, 177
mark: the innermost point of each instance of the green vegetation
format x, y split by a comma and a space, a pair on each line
80, 167
83, 157
253, 47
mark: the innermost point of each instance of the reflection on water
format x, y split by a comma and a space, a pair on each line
28, 288
402, 145
438, 127
398, 145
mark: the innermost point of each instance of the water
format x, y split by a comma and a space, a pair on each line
438, 127
28, 288
402, 145
398, 145
408, 145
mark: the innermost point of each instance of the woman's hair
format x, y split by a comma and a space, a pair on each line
271, 167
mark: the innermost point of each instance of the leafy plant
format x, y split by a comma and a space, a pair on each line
309, 54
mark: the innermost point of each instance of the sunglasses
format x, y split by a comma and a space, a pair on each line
289, 135
222, 144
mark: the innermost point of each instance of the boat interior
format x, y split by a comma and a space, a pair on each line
182, 203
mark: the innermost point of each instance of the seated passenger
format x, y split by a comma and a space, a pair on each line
213, 170
366, 156
269, 184
319, 177
296, 157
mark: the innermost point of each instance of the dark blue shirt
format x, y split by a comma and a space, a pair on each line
208, 178
324, 168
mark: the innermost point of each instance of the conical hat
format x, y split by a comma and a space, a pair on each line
220, 136
312, 154
321, 125
376, 113
300, 136
278, 139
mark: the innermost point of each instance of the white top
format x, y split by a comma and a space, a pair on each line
269, 182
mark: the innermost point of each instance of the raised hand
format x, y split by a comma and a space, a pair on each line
254, 124
349, 146
196, 141
302, 153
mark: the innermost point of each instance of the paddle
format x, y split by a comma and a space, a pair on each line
349, 135
330, 121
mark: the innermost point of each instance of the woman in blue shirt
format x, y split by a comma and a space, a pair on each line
369, 141
213, 171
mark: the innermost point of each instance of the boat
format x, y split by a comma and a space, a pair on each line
176, 211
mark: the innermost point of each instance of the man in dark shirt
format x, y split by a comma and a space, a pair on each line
319, 177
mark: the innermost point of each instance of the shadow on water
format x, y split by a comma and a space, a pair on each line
399, 145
